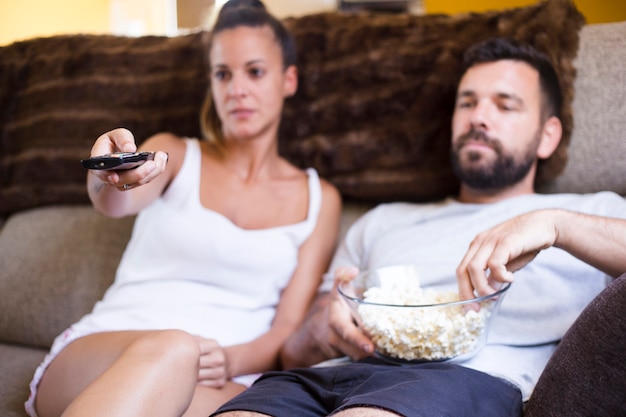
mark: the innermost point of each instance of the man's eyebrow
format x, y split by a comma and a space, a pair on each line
501, 96
510, 96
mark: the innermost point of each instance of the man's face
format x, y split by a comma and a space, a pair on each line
496, 128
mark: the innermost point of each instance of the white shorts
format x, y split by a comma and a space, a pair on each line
62, 340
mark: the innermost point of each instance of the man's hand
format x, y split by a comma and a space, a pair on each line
496, 253
343, 336
330, 331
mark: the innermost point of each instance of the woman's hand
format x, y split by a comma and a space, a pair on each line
213, 371
122, 140
119, 193
116, 140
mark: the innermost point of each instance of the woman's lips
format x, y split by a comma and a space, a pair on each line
242, 113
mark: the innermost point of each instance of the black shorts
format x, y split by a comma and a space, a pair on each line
430, 389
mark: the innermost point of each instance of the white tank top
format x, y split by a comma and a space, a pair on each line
191, 268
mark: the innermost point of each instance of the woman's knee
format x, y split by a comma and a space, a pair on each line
168, 348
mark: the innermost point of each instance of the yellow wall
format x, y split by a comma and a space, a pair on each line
595, 11
21, 19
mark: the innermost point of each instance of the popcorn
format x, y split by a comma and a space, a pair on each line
421, 333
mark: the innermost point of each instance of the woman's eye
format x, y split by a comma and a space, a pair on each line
220, 75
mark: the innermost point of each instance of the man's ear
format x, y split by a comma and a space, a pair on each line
291, 81
550, 137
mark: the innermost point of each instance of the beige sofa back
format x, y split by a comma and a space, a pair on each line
598, 144
372, 112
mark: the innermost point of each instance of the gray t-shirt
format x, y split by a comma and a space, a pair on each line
542, 303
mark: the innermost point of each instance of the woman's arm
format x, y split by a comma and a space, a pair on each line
145, 183
313, 260
597, 240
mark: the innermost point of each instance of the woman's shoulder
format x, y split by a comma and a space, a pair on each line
328, 189
330, 193
330, 196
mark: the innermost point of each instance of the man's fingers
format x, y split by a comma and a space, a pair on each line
466, 289
344, 274
472, 271
350, 339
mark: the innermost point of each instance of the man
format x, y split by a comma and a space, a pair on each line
506, 120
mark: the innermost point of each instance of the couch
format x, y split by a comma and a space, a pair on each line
372, 115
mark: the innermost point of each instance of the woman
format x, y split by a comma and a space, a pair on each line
227, 252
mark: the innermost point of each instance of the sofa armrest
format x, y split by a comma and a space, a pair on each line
55, 263
17, 365
586, 376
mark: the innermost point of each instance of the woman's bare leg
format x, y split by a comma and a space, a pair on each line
206, 400
150, 373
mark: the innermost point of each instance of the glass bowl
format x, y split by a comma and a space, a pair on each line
408, 323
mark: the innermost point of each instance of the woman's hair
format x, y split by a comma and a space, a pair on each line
247, 13
497, 49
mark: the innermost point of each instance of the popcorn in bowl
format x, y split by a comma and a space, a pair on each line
410, 323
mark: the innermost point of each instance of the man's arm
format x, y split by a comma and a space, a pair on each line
597, 240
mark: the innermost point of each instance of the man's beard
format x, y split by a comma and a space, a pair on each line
502, 173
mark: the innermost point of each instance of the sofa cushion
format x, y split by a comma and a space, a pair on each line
56, 262
586, 376
372, 112
17, 366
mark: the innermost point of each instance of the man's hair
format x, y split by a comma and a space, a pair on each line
234, 14
497, 49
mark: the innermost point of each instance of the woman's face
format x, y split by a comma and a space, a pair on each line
248, 81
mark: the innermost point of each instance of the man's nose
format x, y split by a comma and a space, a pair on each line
480, 114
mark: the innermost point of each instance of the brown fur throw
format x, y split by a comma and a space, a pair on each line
58, 94
372, 112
